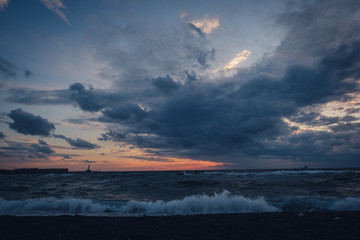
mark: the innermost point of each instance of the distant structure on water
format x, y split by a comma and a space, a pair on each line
88, 170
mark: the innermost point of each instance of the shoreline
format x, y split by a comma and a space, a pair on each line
280, 225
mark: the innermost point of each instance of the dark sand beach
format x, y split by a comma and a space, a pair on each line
317, 225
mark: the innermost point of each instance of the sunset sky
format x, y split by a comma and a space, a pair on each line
178, 85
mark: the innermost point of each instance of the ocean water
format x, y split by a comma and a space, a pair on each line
173, 193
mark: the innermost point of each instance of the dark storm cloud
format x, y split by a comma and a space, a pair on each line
41, 148
7, 69
27, 151
243, 116
29, 124
112, 135
128, 112
86, 99
165, 84
254, 110
309, 85
78, 143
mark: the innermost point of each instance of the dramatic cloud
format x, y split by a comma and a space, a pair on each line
41, 149
243, 116
29, 124
162, 99
26, 151
129, 112
165, 84
87, 100
77, 143
115, 136
58, 7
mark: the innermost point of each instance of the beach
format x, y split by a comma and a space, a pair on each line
313, 225
236, 204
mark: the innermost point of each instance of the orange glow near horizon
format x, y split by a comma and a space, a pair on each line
174, 164
108, 158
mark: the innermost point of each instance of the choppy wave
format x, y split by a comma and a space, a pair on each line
196, 204
202, 204
223, 202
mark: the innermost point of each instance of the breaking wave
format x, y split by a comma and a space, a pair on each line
202, 204
196, 204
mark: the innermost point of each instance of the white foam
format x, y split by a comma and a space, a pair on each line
201, 204
223, 202
196, 204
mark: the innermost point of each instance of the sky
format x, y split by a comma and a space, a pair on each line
179, 85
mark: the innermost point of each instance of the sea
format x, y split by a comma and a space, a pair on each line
166, 193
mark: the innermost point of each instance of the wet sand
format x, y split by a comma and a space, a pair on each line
319, 225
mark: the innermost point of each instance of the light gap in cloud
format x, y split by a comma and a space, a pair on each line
240, 57
207, 24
